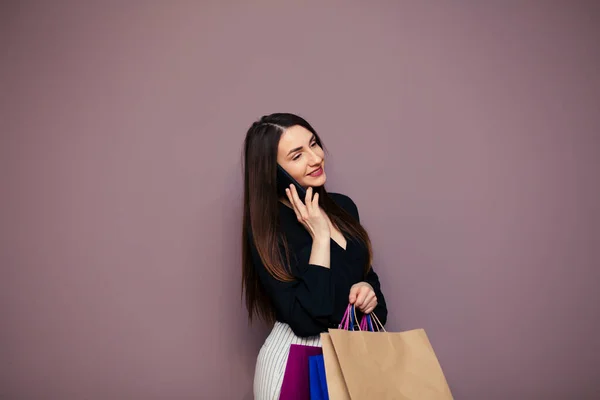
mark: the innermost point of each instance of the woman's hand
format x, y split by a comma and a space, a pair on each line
363, 296
310, 214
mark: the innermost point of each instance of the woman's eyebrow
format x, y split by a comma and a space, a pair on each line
300, 148
295, 150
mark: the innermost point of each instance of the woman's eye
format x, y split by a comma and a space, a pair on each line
313, 144
297, 156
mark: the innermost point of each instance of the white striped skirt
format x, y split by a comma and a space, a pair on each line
272, 359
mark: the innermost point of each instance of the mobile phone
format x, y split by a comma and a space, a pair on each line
284, 180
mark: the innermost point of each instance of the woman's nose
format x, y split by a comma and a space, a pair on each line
315, 158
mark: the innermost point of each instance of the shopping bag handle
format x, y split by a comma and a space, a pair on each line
378, 323
349, 318
366, 323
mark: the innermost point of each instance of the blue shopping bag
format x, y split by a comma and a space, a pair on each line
317, 378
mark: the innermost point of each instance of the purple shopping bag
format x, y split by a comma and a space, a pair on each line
296, 384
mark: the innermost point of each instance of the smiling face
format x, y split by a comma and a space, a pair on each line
302, 157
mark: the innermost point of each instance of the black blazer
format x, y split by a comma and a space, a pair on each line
318, 298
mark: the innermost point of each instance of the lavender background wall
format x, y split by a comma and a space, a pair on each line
467, 132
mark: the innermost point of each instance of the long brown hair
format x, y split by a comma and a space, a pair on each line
261, 212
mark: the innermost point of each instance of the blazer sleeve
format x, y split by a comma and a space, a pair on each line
371, 277
306, 303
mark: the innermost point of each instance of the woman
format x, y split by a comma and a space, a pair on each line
303, 260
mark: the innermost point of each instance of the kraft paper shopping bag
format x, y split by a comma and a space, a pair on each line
384, 365
336, 386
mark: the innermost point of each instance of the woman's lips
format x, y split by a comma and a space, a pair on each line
316, 173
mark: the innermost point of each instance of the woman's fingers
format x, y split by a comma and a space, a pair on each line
363, 292
298, 203
315, 201
370, 308
359, 293
368, 299
363, 297
370, 305
288, 192
367, 302
353, 294
308, 199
